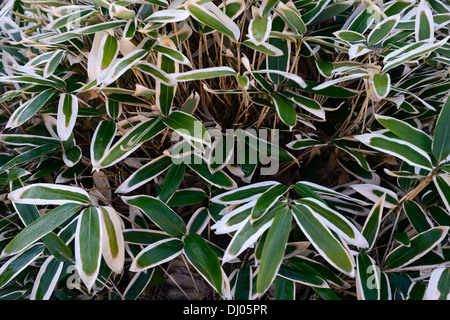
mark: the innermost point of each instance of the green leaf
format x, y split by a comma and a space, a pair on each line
442, 183
18, 263
143, 236
122, 65
51, 82
334, 221
172, 181
198, 221
243, 284
138, 284
373, 221
382, 30
398, 148
302, 274
330, 83
102, 139
172, 54
410, 52
285, 109
219, 178
317, 188
129, 142
46, 279
145, 174
264, 47
206, 262
382, 85
266, 7
72, 17
307, 104
264, 148
441, 140
259, 29
266, 200
329, 91
244, 194
48, 193
201, 74
27, 156
326, 11
72, 156
191, 103
30, 108
306, 143
53, 62
88, 245
234, 219
350, 36
114, 108
100, 27
419, 245
248, 233
279, 62
417, 291
67, 115
113, 248
329, 247
213, 17
157, 253
165, 93
319, 270
164, 217
441, 216
274, 248
156, 72
417, 216
57, 247
187, 197
327, 293
406, 132
292, 17
167, 16
28, 140
188, 127
374, 192
439, 284
109, 48
424, 24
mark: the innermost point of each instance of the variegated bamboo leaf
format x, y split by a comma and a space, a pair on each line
399, 148
46, 279
372, 225
113, 249
438, 286
145, 174
329, 247
88, 245
419, 245
159, 213
41, 227
67, 115
129, 142
18, 263
213, 17
47, 193
157, 253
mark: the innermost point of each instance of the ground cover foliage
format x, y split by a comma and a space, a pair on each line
159, 149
